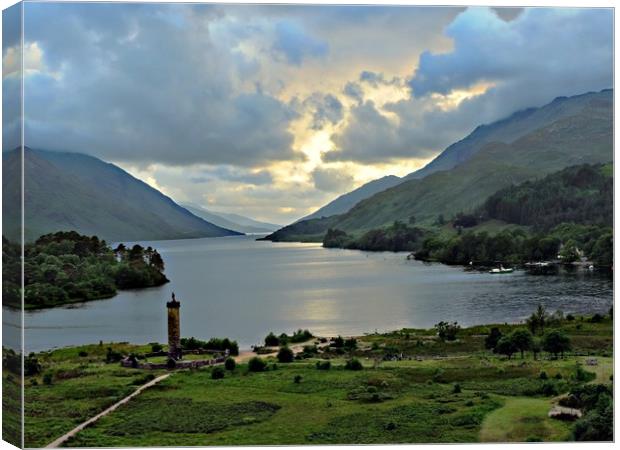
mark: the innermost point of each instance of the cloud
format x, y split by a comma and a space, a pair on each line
332, 180
567, 46
294, 44
147, 84
496, 67
324, 109
233, 174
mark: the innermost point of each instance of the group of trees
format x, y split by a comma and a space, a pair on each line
66, 267
578, 194
395, 238
271, 340
554, 341
217, 344
516, 246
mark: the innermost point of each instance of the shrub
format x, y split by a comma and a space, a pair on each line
570, 317
456, 389
271, 340
285, 355
596, 318
350, 344
156, 348
31, 365
256, 364
112, 356
337, 342
83, 354
230, 364
297, 379
171, 363
548, 389
543, 375
323, 365
47, 379
217, 373
353, 364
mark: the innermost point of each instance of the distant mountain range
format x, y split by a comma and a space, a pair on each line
73, 191
528, 144
231, 221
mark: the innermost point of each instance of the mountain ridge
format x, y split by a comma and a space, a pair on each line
75, 191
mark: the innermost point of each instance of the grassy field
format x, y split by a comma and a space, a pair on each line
439, 392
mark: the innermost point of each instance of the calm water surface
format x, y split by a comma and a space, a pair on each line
241, 288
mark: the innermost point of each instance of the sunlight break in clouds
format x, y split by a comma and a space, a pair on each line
274, 110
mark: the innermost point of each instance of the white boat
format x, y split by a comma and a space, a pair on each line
501, 269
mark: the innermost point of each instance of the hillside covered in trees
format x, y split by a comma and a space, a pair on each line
579, 194
66, 267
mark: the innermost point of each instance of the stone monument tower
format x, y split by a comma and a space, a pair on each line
174, 329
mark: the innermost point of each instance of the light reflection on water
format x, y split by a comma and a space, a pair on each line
241, 288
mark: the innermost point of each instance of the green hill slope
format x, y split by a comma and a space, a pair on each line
71, 191
583, 137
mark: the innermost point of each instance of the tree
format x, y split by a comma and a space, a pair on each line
285, 355
271, 340
522, 340
491, 340
505, 346
569, 252
447, 331
536, 347
555, 342
538, 320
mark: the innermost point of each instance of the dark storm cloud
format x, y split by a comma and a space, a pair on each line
146, 83
527, 61
324, 109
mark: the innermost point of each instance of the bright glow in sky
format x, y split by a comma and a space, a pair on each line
273, 111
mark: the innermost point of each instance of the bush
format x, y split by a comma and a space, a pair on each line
217, 373
47, 379
171, 363
353, 364
256, 364
543, 375
271, 340
83, 354
323, 365
112, 356
548, 389
456, 389
156, 348
596, 318
230, 364
285, 355
297, 379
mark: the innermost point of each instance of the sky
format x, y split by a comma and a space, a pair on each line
273, 111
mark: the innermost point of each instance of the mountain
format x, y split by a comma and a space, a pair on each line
508, 130
583, 136
234, 222
347, 201
73, 191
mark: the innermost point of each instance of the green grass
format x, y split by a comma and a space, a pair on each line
523, 419
407, 401
82, 386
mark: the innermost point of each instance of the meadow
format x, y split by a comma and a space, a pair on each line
411, 387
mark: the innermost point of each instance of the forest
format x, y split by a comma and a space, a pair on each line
395, 238
66, 267
578, 194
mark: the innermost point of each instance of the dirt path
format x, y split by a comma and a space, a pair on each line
61, 440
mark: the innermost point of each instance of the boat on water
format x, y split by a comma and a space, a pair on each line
501, 269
